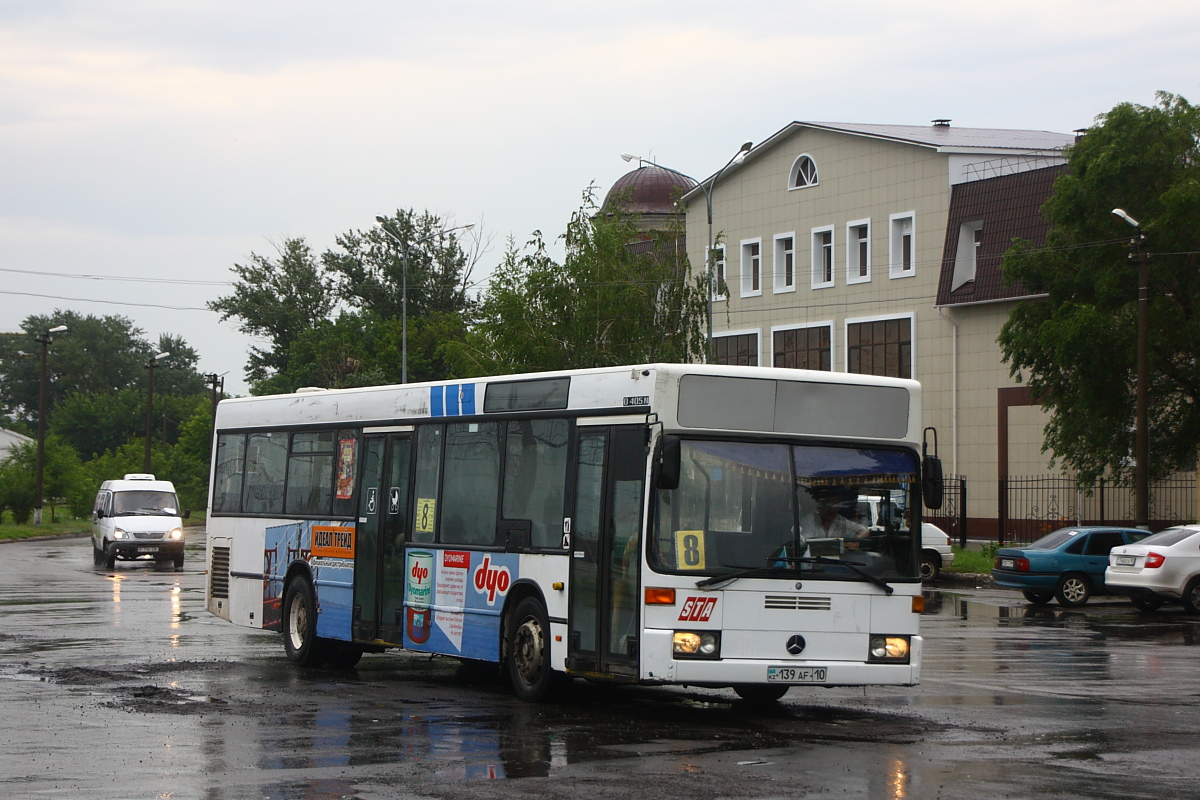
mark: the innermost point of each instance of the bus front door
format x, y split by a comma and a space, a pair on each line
606, 550
381, 530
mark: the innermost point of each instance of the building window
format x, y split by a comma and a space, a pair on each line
751, 267
822, 257
719, 286
966, 258
736, 348
880, 347
785, 262
902, 261
803, 348
804, 173
858, 251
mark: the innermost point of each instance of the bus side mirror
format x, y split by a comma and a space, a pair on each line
931, 481
187, 512
669, 463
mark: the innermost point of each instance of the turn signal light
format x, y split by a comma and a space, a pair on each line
1154, 560
918, 603
659, 596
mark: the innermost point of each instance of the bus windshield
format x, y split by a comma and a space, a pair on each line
797, 508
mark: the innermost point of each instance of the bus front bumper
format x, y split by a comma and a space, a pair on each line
786, 670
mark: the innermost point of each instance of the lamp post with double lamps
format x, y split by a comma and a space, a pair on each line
710, 259
381, 223
151, 365
39, 470
1141, 425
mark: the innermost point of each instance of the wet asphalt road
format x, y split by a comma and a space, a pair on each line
118, 684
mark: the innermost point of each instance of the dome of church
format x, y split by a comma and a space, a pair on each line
649, 189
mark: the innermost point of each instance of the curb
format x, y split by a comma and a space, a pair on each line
45, 537
977, 580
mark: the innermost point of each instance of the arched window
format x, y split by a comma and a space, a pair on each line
804, 173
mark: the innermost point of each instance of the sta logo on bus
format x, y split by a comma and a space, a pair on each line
697, 609
491, 581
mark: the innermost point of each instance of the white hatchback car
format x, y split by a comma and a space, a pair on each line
1160, 567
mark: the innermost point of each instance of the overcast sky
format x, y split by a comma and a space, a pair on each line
172, 138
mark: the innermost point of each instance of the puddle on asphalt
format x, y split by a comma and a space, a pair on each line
1105, 616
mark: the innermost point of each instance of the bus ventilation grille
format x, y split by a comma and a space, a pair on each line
796, 602
218, 573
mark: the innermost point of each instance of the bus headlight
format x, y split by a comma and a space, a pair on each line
889, 648
118, 533
696, 644
175, 533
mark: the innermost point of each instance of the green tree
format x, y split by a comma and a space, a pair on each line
277, 300
368, 269
621, 296
1076, 348
94, 423
62, 478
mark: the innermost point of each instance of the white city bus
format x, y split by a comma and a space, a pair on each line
655, 524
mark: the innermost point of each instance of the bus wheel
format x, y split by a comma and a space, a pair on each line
300, 640
760, 692
529, 651
110, 556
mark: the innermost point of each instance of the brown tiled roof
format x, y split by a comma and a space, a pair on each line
1010, 208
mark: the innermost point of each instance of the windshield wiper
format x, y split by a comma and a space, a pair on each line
854, 566
741, 572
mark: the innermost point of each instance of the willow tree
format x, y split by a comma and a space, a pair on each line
621, 295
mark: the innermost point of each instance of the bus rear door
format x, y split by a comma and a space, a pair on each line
382, 530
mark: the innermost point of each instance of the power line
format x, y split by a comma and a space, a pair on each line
86, 276
106, 302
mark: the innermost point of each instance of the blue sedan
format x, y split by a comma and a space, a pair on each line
1067, 565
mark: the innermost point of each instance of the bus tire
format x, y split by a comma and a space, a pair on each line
110, 556
528, 651
300, 640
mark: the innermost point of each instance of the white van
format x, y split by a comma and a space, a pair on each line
137, 517
875, 510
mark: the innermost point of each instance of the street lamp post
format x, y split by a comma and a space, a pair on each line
380, 222
710, 259
217, 382
1141, 435
44, 340
150, 367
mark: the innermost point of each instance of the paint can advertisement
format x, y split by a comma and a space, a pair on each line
418, 585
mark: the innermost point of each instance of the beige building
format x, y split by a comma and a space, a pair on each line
875, 249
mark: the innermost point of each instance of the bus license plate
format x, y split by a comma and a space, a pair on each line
1126, 561
147, 549
1006, 563
796, 674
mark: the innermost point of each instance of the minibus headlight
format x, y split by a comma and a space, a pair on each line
696, 644
118, 533
175, 533
889, 648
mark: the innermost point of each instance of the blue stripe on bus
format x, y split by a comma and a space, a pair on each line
468, 398
435, 402
452, 401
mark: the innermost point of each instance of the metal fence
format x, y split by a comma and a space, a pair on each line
1031, 507
952, 516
